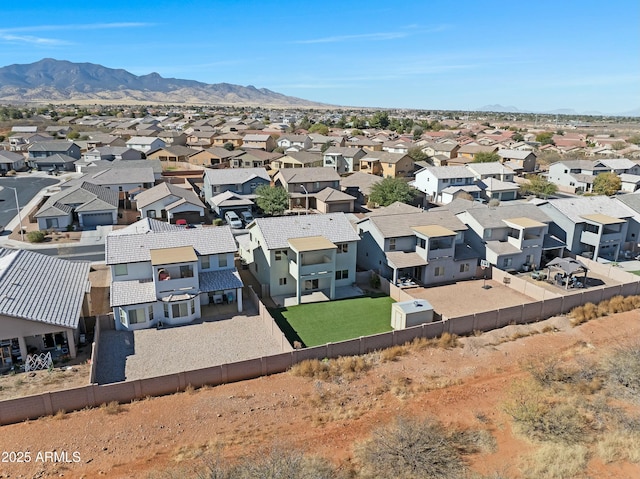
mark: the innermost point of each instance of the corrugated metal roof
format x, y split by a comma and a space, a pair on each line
42, 288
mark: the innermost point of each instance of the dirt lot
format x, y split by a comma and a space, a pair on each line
464, 386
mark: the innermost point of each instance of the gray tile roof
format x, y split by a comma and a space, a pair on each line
362, 181
442, 172
491, 217
329, 195
124, 293
118, 176
164, 190
220, 280
90, 197
42, 288
10, 156
53, 209
514, 154
147, 225
278, 230
575, 208
55, 145
304, 157
132, 248
400, 224
385, 156
493, 184
57, 158
155, 165
490, 168
307, 175
234, 176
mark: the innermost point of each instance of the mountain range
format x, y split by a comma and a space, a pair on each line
60, 80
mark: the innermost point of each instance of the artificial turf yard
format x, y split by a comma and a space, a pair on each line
332, 321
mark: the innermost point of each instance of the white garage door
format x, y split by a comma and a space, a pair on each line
96, 219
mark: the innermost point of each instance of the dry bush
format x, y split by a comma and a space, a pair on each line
60, 414
189, 389
445, 341
410, 449
623, 369
619, 446
114, 407
556, 461
584, 313
343, 367
583, 379
393, 353
603, 308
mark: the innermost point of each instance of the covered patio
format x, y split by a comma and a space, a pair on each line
565, 271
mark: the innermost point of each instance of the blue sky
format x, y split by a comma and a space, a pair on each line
536, 55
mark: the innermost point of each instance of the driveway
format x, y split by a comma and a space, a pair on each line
27, 188
126, 356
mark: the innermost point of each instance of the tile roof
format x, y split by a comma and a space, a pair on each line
88, 196
385, 156
57, 158
515, 154
492, 217
164, 190
117, 176
220, 280
307, 175
55, 145
277, 231
134, 247
397, 225
329, 195
147, 225
124, 293
42, 288
576, 208
234, 176
443, 172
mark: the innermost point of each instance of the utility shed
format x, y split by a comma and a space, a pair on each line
411, 313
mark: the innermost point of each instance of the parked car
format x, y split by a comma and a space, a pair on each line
246, 216
232, 219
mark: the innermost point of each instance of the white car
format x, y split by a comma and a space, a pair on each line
232, 220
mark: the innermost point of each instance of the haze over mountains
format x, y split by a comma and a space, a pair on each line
559, 111
60, 80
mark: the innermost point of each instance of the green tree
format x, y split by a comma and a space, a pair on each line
486, 157
607, 184
320, 128
517, 137
417, 154
73, 135
357, 132
417, 133
272, 200
635, 139
538, 186
545, 138
380, 119
390, 190
228, 146
326, 146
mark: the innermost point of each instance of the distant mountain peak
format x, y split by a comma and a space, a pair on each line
61, 80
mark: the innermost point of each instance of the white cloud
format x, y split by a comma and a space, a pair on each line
31, 40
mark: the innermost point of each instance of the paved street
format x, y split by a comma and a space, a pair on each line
27, 188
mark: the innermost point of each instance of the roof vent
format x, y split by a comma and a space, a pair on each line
417, 304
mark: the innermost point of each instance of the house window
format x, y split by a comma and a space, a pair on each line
507, 262
487, 233
166, 310
343, 248
421, 242
136, 316
282, 281
392, 244
439, 271
186, 271
120, 270
193, 306
51, 223
180, 310
150, 309
123, 317
205, 262
222, 261
464, 267
151, 213
310, 284
280, 253
591, 228
344, 274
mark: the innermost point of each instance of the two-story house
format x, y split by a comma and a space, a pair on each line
520, 160
241, 181
111, 153
298, 159
145, 144
495, 180
165, 274
402, 242
387, 164
57, 154
258, 141
342, 159
575, 175
441, 184
510, 237
301, 141
591, 226
303, 183
10, 160
299, 255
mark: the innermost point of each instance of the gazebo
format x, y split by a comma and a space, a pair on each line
566, 270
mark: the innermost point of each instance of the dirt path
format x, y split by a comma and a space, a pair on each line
463, 386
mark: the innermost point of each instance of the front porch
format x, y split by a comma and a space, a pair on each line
317, 296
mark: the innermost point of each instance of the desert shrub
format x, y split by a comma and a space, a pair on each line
623, 369
393, 353
282, 464
582, 379
36, 236
218, 222
411, 449
619, 446
60, 414
342, 367
603, 308
584, 313
556, 461
112, 407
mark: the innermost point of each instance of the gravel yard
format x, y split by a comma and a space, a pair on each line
125, 356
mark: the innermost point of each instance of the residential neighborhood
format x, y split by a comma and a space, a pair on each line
144, 235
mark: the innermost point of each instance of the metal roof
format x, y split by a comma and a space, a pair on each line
42, 288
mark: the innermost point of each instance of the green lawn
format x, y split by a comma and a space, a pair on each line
333, 321
635, 272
